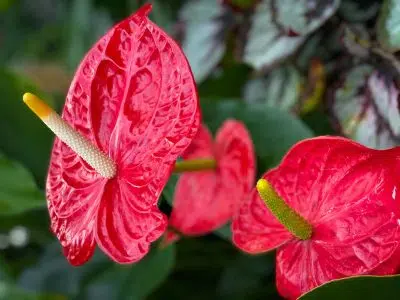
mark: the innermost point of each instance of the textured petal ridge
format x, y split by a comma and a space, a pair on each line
134, 97
348, 193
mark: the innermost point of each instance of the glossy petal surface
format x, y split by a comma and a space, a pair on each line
134, 97
206, 200
75, 234
123, 232
348, 193
255, 229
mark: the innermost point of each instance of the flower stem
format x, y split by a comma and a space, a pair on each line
192, 165
292, 221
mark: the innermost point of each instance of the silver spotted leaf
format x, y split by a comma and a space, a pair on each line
280, 27
366, 107
388, 29
280, 88
205, 25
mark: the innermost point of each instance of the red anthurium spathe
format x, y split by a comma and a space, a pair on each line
133, 100
343, 202
205, 200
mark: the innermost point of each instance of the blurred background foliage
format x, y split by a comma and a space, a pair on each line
289, 69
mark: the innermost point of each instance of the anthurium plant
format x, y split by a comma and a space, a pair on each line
243, 149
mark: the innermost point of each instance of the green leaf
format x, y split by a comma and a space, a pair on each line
36, 220
318, 122
13, 30
4, 271
362, 287
5, 4
266, 44
86, 25
99, 278
23, 136
224, 232
357, 40
134, 282
241, 4
273, 131
10, 291
365, 106
280, 88
32, 32
204, 48
357, 11
53, 274
303, 16
271, 39
168, 191
244, 278
225, 82
148, 274
324, 45
388, 30
18, 192
162, 15
79, 25
200, 262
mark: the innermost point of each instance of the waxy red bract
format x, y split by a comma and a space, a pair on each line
206, 200
349, 194
134, 97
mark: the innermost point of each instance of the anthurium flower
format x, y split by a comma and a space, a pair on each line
205, 200
131, 110
330, 209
